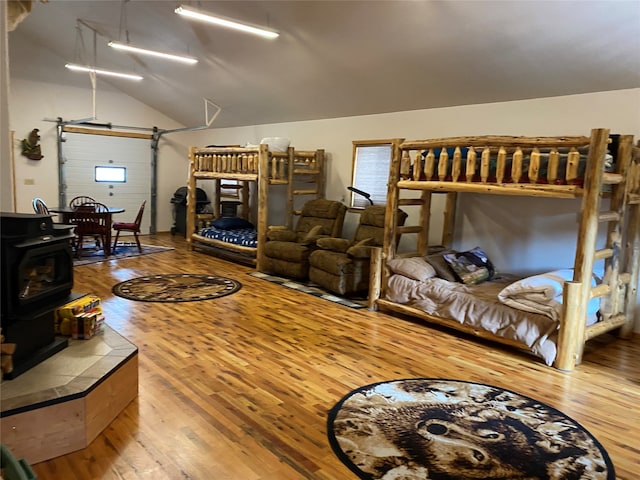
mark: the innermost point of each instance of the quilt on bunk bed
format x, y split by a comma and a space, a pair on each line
232, 230
432, 286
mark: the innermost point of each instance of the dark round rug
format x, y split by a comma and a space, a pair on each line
448, 429
176, 287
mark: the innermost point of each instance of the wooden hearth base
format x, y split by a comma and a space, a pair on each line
65, 402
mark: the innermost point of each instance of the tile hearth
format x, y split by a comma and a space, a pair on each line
89, 383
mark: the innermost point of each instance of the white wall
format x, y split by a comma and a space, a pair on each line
6, 194
519, 234
30, 103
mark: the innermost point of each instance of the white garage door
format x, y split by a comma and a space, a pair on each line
113, 170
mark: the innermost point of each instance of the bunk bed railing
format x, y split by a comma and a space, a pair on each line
539, 166
240, 162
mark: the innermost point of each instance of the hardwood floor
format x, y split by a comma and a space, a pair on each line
239, 387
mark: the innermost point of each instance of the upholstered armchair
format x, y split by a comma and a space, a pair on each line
286, 252
341, 265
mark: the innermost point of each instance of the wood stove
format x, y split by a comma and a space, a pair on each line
36, 278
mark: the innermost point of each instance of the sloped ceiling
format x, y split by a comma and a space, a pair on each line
337, 58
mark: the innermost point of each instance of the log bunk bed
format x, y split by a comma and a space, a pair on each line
555, 167
256, 172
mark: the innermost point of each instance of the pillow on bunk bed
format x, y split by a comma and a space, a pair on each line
440, 265
232, 223
543, 294
471, 267
416, 268
276, 144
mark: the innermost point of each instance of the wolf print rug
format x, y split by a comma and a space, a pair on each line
448, 429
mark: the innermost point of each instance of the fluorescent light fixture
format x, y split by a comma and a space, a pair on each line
223, 22
144, 51
99, 71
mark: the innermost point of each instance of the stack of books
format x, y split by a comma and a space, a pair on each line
80, 319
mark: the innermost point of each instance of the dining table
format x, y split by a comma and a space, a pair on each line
66, 215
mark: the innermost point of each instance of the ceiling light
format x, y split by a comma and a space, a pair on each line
205, 17
99, 71
144, 51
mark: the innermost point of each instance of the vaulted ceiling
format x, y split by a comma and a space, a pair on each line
336, 58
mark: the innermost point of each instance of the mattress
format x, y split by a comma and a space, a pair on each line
478, 306
246, 237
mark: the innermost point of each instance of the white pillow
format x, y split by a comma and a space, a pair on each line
416, 268
276, 144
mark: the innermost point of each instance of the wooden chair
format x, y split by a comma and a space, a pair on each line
80, 200
133, 227
90, 221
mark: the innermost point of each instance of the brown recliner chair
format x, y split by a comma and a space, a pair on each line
286, 252
341, 265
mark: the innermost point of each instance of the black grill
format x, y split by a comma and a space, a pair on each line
179, 201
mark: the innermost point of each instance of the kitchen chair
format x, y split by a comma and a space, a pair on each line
39, 206
90, 221
133, 227
80, 200
341, 265
286, 252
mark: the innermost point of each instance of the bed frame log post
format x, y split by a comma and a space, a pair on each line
263, 208
289, 207
449, 214
390, 238
191, 198
572, 328
321, 180
375, 277
425, 219
632, 244
633, 267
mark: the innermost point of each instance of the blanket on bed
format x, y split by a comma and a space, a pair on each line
477, 306
246, 237
543, 294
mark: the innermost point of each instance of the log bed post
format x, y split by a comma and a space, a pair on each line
191, 198
449, 219
391, 217
572, 325
289, 209
632, 246
633, 267
263, 207
375, 277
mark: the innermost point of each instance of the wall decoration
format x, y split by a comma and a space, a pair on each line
30, 147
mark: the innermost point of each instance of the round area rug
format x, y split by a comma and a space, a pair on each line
448, 429
176, 287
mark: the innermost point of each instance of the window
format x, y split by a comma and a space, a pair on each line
111, 174
371, 160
